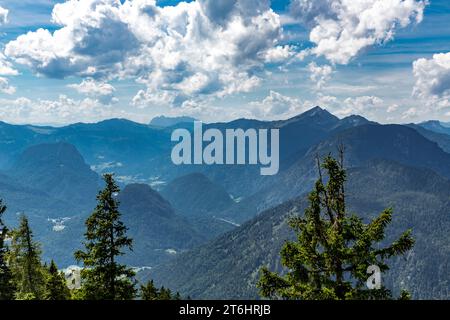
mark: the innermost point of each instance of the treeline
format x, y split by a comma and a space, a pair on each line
23, 275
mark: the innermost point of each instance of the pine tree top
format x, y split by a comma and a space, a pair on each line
334, 249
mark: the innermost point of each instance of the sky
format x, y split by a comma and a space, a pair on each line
73, 61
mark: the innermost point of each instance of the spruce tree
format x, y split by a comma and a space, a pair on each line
56, 286
25, 262
177, 296
149, 291
334, 249
103, 278
165, 294
7, 287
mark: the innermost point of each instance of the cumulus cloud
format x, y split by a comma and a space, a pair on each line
61, 111
340, 29
5, 87
393, 108
320, 74
148, 98
100, 90
6, 68
411, 113
307, 11
360, 105
203, 47
433, 80
92, 40
276, 106
279, 54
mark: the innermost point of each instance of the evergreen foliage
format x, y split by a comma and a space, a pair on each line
25, 263
7, 287
333, 250
103, 278
56, 286
150, 292
24, 277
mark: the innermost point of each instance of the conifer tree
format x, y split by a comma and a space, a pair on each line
334, 249
56, 286
165, 294
7, 287
103, 278
177, 296
149, 291
25, 262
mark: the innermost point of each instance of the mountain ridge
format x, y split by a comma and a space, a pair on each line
195, 194
228, 267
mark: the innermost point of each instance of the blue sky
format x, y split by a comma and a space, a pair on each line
224, 59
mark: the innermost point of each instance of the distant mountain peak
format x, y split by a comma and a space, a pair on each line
142, 198
117, 120
436, 126
143, 191
317, 115
354, 117
432, 122
59, 153
163, 121
58, 169
315, 111
353, 121
108, 124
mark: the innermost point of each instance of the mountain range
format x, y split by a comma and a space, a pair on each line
228, 268
436, 126
206, 230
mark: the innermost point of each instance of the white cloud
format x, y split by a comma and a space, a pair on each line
5, 87
61, 111
320, 74
393, 108
303, 54
360, 105
279, 54
325, 101
148, 98
96, 89
276, 106
3, 15
340, 29
411, 113
6, 68
433, 80
200, 48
